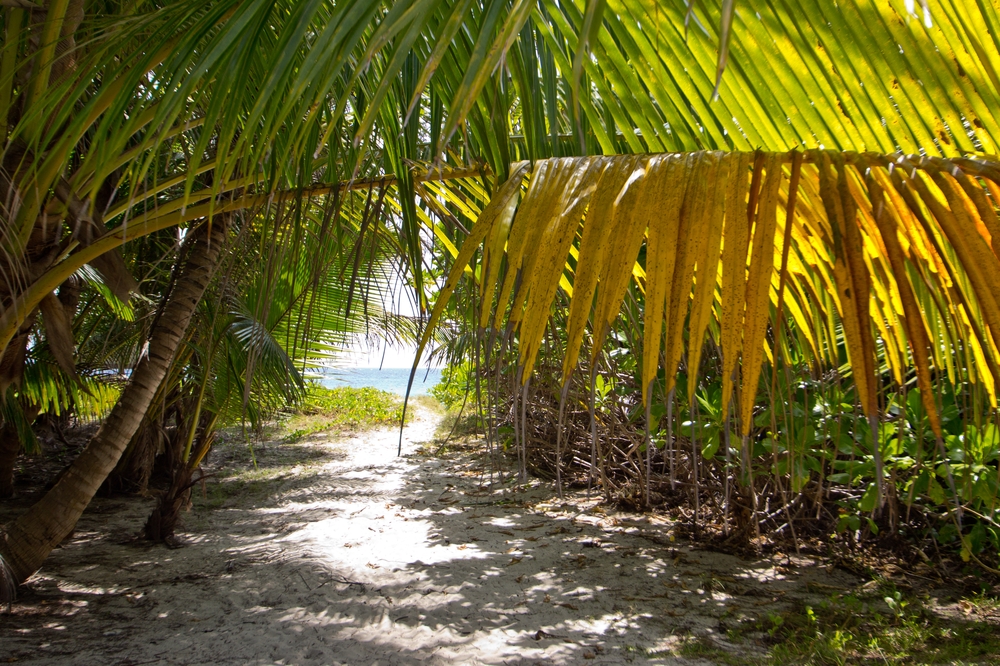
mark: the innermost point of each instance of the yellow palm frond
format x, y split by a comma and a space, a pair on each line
899, 250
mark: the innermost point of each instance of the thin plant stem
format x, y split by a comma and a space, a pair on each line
670, 439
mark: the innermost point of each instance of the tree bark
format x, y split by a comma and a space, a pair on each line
135, 468
10, 446
31, 538
163, 520
11, 371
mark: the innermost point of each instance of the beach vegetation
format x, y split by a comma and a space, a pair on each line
736, 264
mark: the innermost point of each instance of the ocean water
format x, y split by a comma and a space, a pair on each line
392, 380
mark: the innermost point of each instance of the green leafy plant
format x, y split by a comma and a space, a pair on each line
344, 407
456, 384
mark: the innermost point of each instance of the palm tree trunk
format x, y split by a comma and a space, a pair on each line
10, 446
32, 537
11, 371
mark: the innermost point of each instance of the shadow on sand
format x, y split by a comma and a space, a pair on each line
340, 552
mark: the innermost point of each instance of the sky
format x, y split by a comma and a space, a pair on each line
359, 355
362, 354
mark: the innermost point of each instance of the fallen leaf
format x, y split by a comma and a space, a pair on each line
514, 560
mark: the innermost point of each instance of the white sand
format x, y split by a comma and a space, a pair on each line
368, 558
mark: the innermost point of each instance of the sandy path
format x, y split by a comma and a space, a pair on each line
361, 557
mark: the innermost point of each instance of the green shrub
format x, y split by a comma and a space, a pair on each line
456, 382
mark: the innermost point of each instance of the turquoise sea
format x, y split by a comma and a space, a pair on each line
387, 379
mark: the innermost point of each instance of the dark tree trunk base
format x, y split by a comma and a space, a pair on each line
162, 521
135, 469
10, 446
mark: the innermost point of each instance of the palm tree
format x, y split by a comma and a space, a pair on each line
110, 123
112, 120
27, 546
257, 332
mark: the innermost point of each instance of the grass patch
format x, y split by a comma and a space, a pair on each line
343, 408
884, 626
425, 401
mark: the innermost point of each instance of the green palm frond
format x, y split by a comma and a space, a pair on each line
853, 75
167, 108
861, 231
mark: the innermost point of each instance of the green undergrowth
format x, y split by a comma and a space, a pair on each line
457, 382
456, 392
882, 626
343, 408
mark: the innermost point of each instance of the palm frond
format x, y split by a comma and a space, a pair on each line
866, 234
852, 75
